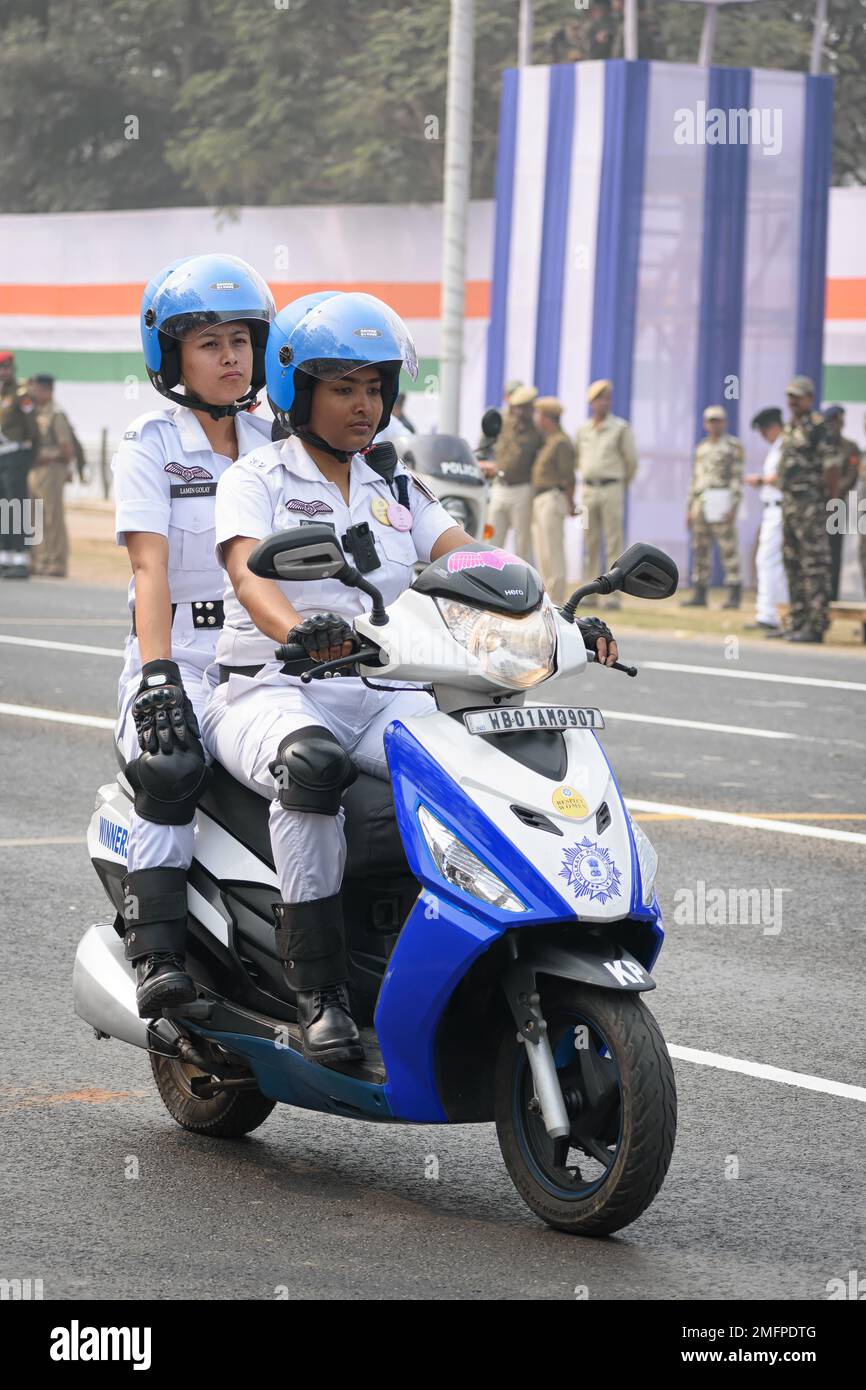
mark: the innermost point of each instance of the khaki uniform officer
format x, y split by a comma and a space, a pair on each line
606, 464
553, 482
711, 512
51, 470
513, 457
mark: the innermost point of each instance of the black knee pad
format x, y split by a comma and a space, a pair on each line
312, 770
168, 786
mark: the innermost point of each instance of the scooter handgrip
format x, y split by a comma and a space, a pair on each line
291, 651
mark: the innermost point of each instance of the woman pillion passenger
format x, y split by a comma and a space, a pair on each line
204, 326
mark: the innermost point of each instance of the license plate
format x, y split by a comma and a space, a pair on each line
541, 717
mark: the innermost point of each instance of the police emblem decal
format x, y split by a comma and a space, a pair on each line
591, 872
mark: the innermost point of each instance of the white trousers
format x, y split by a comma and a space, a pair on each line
772, 583
150, 845
246, 719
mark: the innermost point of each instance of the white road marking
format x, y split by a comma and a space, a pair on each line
813, 832
58, 716
741, 729
767, 1073
60, 646
752, 675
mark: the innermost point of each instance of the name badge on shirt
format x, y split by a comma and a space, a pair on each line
193, 489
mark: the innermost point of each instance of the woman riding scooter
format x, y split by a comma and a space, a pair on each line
204, 326
332, 370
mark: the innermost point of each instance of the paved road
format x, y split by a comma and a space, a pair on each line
330, 1208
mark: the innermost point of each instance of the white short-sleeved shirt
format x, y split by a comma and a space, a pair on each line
279, 486
165, 481
770, 493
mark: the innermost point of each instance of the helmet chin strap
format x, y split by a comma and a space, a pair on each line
341, 455
216, 412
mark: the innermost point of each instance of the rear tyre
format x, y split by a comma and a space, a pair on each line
227, 1115
618, 1084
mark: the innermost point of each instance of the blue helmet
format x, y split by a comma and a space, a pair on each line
331, 334
192, 294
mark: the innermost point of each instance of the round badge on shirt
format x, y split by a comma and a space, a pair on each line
379, 508
399, 516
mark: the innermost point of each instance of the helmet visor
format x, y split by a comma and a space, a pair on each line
338, 337
204, 291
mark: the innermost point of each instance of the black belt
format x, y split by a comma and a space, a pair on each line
205, 613
540, 490
503, 482
600, 482
777, 502
227, 671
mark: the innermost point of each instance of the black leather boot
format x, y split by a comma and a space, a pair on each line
698, 598
735, 593
311, 945
154, 909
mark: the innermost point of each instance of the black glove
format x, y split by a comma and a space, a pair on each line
591, 629
320, 633
162, 709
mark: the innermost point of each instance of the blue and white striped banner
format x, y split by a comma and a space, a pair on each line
665, 226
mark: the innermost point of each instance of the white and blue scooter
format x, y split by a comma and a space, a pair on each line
498, 898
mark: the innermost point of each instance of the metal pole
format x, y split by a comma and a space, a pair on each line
630, 30
708, 36
818, 37
458, 166
524, 36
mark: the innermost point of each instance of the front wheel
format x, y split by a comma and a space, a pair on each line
618, 1085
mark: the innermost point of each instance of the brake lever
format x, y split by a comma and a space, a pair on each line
614, 666
365, 654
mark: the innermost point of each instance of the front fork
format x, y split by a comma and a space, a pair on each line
524, 1001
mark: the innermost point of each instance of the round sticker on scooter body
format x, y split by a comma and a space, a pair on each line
569, 802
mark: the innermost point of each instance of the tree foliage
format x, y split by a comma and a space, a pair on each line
142, 103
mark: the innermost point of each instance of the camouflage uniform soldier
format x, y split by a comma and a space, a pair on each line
51, 470
841, 471
718, 466
805, 541
19, 438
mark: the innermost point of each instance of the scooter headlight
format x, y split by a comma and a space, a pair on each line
461, 867
515, 652
647, 859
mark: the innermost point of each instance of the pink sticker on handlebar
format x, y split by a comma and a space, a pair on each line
477, 559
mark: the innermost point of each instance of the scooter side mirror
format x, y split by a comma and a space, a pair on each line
304, 552
644, 572
491, 424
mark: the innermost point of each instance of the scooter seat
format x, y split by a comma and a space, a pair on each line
374, 846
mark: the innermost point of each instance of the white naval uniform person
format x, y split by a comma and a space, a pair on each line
165, 479
246, 718
770, 570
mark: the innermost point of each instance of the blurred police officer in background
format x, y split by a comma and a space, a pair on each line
51, 469
711, 513
805, 482
842, 471
513, 456
19, 440
553, 484
606, 464
770, 571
